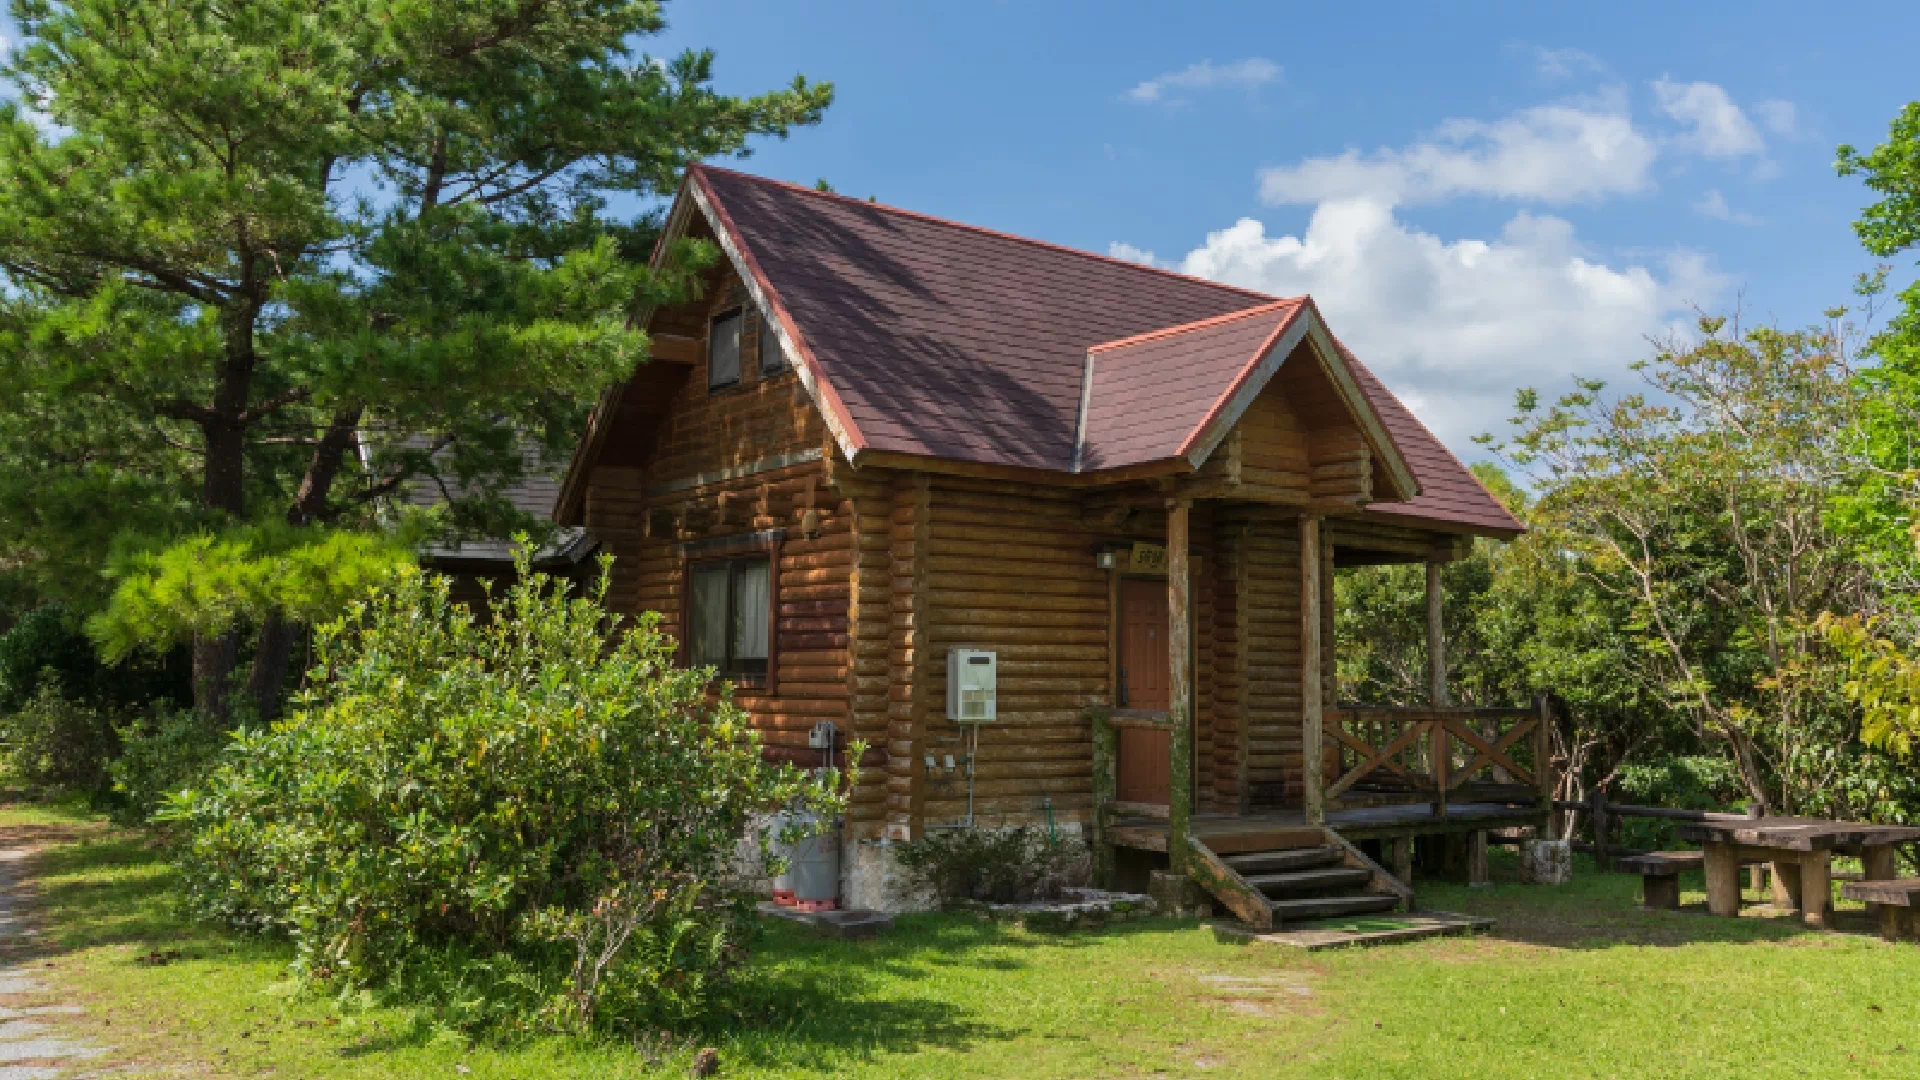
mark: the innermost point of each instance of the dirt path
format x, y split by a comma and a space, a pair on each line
28, 1048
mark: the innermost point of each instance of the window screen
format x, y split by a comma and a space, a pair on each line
728, 627
723, 351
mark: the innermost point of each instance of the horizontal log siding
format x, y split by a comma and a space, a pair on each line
1206, 689
869, 615
1011, 569
1272, 692
815, 681
1227, 747
908, 523
703, 431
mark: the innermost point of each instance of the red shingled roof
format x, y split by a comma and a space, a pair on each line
1448, 492
1147, 396
934, 338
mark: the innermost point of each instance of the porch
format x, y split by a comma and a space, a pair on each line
1250, 783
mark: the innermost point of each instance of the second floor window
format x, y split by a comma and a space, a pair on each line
723, 350
772, 360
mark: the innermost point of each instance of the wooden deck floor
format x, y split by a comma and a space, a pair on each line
1229, 833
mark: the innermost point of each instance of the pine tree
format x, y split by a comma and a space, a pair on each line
245, 241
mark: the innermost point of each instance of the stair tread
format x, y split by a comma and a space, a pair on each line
1326, 877
1259, 862
1332, 905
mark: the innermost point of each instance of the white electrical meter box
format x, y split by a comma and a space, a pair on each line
971, 680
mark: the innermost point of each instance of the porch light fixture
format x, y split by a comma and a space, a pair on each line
1105, 559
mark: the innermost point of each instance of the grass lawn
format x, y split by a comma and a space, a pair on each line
1574, 982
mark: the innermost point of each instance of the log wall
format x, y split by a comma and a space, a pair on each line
881, 572
1010, 568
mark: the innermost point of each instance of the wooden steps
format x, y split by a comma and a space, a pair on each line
1326, 907
1269, 876
1305, 881
1279, 862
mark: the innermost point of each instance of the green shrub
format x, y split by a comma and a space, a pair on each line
169, 751
538, 809
1681, 782
54, 742
1001, 866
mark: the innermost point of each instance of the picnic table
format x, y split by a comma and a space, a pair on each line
1801, 851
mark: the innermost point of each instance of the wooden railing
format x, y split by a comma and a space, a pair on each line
1440, 755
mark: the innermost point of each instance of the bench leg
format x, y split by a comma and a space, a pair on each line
1660, 892
1877, 864
1723, 879
1757, 877
1816, 888
1896, 922
1786, 884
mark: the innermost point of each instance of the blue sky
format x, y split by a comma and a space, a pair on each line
1480, 197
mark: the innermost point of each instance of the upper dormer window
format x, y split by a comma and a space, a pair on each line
773, 361
723, 349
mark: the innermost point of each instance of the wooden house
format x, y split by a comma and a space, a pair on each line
879, 436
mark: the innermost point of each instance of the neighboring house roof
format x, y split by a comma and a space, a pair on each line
533, 494
930, 338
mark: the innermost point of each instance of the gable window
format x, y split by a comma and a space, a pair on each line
772, 360
723, 350
729, 608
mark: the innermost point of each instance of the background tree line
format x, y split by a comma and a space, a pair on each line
1719, 579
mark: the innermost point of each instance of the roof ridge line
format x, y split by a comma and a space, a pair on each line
1197, 324
983, 230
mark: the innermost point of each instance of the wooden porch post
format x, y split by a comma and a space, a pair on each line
1312, 708
1436, 639
1179, 687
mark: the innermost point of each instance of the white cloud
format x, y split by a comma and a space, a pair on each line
1206, 75
1456, 326
1716, 126
1554, 153
1566, 63
1714, 205
1120, 249
1781, 117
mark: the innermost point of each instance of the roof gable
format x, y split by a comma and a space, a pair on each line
1148, 396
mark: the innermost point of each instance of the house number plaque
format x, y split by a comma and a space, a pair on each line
1148, 559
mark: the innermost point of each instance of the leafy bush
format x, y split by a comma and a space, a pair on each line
53, 741
538, 809
160, 754
1681, 782
1001, 866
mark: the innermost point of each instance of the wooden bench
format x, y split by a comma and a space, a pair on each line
1896, 898
1660, 874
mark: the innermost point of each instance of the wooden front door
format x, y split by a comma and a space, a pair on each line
1144, 774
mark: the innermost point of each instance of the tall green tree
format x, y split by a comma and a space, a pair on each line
267, 261
1882, 509
1703, 510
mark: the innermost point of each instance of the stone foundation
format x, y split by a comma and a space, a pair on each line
871, 878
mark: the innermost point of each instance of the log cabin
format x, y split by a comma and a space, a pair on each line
879, 441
